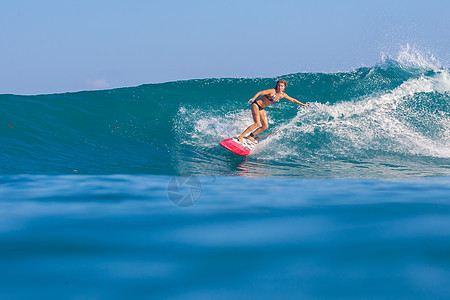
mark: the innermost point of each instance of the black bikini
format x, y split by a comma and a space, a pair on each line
260, 108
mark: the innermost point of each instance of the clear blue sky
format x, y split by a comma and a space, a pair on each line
55, 46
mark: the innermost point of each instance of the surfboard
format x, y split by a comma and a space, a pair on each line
237, 147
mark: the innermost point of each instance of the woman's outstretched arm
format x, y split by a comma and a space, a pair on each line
294, 100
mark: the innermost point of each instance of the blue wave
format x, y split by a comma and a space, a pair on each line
390, 120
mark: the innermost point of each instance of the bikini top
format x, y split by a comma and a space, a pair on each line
272, 99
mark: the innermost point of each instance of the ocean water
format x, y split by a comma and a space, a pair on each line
126, 193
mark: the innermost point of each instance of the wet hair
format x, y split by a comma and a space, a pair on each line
281, 81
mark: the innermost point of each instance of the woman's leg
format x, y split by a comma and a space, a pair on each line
256, 124
264, 122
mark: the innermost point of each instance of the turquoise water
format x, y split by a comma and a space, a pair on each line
385, 121
126, 193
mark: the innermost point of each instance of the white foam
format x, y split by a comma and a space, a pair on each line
378, 122
204, 127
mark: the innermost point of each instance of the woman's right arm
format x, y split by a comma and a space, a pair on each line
265, 92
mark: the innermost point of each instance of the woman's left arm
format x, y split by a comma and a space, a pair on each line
294, 100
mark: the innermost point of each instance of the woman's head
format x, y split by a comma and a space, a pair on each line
280, 83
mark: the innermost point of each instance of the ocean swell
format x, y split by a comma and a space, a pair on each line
387, 120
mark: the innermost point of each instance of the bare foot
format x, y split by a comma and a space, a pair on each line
240, 139
252, 139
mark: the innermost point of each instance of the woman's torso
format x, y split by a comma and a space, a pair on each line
273, 97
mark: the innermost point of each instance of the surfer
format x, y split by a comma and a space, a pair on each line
258, 104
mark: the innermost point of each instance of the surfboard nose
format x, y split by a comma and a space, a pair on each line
236, 147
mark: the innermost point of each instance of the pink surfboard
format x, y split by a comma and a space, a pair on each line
238, 148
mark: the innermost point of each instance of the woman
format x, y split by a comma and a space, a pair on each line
259, 115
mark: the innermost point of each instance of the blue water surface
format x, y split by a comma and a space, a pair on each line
122, 236
126, 193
